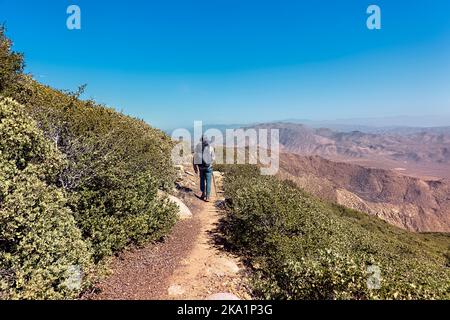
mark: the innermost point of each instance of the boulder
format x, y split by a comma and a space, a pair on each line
175, 290
222, 296
184, 212
224, 266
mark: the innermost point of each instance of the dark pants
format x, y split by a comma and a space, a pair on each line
205, 181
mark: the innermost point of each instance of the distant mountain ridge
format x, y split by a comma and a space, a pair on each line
401, 175
421, 151
376, 124
407, 202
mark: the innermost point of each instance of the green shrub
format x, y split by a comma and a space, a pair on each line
115, 164
304, 248
40, 244
328, 275
11, 64
118, 215
78, 168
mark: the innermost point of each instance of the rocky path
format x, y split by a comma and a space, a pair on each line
187, 265
208, 272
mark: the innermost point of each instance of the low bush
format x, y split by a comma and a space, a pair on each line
11, 65
40, 245
115, 165
78, 182
304, 248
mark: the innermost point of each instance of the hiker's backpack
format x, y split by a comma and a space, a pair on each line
206, 156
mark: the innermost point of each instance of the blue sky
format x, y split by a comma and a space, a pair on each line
237, 61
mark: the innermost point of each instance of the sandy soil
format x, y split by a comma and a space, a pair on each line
207, 270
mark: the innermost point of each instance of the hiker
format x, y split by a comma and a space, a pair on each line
203, 158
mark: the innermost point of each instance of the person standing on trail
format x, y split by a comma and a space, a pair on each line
203, 158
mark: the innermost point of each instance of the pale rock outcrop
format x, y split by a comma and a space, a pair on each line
183, 211
223, 296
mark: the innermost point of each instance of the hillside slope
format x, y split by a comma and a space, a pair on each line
410, 203
78, 182
301, 247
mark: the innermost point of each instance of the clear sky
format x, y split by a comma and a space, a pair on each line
238, 61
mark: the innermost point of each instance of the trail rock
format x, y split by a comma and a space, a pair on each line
184, 212
222, 296
224, 266
175, 290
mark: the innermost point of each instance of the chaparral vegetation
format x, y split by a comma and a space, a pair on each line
303, 248
78, 182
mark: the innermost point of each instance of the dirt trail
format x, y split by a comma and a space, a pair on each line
187, 265
207, 270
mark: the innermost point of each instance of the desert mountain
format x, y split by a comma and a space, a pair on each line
407, 202
414, 151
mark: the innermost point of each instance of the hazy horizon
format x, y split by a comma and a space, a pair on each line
429, 121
